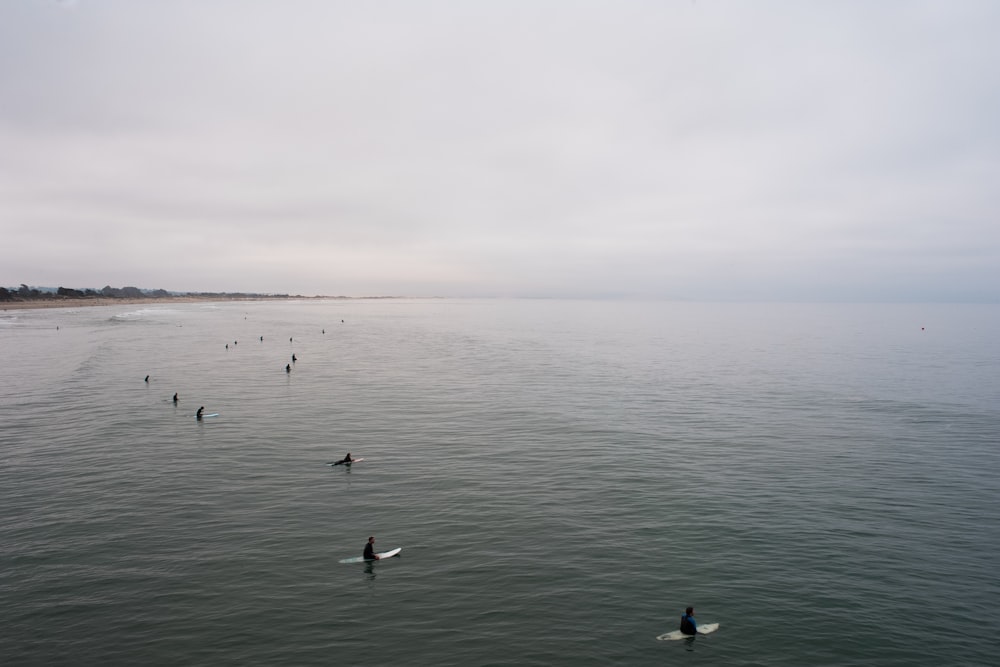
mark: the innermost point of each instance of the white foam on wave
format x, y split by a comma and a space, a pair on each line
142, 313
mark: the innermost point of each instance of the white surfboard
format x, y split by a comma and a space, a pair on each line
381, 556
705, 629
214, 414
342, 463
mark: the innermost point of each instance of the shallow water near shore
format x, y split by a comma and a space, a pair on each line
564, 478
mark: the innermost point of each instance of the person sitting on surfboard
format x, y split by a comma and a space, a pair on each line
370, 550
197, 415
688, 625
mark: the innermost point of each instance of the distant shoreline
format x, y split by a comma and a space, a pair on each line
86, 302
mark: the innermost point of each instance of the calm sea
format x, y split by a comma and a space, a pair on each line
564, 478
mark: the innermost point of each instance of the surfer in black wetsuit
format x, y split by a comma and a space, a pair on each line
688, 625
346, 460
175, 397
288, 368
197, 415
370, 550
294, 358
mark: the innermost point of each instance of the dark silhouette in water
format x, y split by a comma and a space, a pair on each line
147, 379
197, 415
346, 460
294, 359
262, 339
175, 397
288, 368
227, 346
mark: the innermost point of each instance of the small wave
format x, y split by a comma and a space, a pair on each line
141, 314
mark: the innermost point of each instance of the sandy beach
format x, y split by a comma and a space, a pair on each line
58, 302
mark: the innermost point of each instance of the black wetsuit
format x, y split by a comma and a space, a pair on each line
369, 552
689, 626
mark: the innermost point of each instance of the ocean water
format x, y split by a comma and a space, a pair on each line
564, 478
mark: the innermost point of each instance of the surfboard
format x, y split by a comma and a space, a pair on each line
705, 629
214, 414
341, 463
381, 556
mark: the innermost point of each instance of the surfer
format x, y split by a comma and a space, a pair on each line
688, 625
147, 379
294, 358
370, 550
346, 460
197, 415
288, 368
175, 397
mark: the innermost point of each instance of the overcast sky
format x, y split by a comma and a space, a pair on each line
665, 149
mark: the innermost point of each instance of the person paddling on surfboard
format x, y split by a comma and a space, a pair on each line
370, 550
689, 626
197, 415
346, 460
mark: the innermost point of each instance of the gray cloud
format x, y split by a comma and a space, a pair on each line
692, 150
